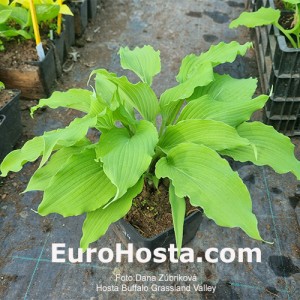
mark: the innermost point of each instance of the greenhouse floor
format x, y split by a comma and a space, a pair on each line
176, 28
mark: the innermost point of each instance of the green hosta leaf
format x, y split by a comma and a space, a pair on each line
80, 186
98, 221
170, 98
292, 1
125, 158
202, 175
17, 158
144, 62
295, 2
4, 15
78, 99
21, 16
223, 52
45, 12
139, 96
40, 180
106, 121
213, 134
217, 54
231, 113
227, 89
202, 77
44, 145
188, 65
178, 214
273, 149
123, 114
65, 10
67, 136
12, 32
97, 106
264, 16
104, 86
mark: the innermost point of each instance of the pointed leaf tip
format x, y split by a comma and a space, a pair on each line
144, 62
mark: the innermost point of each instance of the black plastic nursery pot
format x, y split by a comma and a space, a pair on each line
35, 80
274, 54
128, 234
69, 29
59, 43
92, 9
80, 11
283, 108
10, 123
279, 68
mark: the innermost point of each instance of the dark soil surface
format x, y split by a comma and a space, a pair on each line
286, 20
287, 17
6, 96
151, 211
18, 54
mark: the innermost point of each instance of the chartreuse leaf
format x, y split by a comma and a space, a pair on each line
178, 215
67, 136
224, 52
17, 158
292, 1
13, 32
45, 144
97, 106
213, 134
106, 121
4, 15
232, 113
202, 77
78, 99
80, 186
125, 158
40, 180
217, 54
21, 16
188, 66
65, 10
263, 16
144, 62
273, 149
199, 173
98, 221
46, 12
227, 89
140, 95
104, 86
171, 99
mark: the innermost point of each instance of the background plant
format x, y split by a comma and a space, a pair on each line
268, 16
15, 18
204, 118
14, 22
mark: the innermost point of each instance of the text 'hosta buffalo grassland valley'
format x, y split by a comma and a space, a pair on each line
204, 118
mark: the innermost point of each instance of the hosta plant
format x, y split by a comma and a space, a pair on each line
15, 17
183, 137
268, 16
